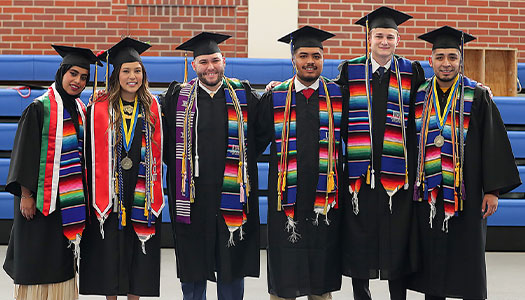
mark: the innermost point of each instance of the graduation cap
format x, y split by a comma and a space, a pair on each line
127, 50
204, 43
446, 37
306, 36
384, 17
76, 56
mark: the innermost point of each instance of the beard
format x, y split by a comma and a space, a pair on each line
202, 78
450, 78
308, 77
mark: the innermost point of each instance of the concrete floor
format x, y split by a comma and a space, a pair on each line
506, 281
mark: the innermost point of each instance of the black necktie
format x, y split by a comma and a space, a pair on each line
380, 72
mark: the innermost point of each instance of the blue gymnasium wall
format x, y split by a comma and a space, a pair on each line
29, 68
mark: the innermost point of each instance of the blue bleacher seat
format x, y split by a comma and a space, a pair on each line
6, 205
263, 209
511, 212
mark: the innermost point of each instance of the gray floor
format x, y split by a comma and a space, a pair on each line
506, 281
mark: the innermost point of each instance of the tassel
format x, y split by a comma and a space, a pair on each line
279, 205
283, 184
241, 234
231, 242
192, 191
185, 67
241, 193
373, 180
416, 197
248, 188
116, 183
102, 227
123, 209
290, 226
95, 84
432, 212
196, 168
445, 224
316, 221
325, 208
406, 186
368, 175
146, 213
331, 183
143, 247
355, 204
390, 204
239, 173
326, 220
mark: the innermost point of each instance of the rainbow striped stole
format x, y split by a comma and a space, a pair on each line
61, 172
439, 167
148, 200
359, 150
330, 111
235, 185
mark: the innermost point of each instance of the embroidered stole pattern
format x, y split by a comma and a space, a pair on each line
61, 173
359, 143
330, 109
438, 167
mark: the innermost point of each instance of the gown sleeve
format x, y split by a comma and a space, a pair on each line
25, 157
499, 167
264, 122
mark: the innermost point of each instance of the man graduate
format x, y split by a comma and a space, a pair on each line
212, 181
303, 115
379, 89
464, 163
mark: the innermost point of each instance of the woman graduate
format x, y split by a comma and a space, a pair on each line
121, 246
46, 176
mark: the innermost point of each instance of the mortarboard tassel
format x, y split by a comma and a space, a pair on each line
185, 67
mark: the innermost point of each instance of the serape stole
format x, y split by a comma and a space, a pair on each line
359, 143
148, 200
235, 184
330, 110
439, 167
61, 172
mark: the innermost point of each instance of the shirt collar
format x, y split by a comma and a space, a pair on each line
207, 90
299, 86
376, 65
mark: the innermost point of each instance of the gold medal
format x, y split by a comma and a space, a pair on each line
128, 109
439, 141
126, 163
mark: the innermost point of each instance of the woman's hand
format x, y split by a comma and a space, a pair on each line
27, 204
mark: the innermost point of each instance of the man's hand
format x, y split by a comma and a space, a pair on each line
271, 85
489, 205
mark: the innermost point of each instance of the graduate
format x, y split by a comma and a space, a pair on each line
303, 115
46, 177
464, 162
211, 153
121, 246
379, 90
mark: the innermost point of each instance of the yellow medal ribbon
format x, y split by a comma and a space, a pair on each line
128, 131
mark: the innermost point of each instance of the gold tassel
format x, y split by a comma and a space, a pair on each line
239, 173
279, 201
368, 175
107, 70
331, 183
146, 213
185, 67
95, 84
283, 184
123, 209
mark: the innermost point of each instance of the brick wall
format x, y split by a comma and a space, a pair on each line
498, 24
29, 26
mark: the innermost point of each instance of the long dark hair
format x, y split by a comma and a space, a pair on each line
144, 97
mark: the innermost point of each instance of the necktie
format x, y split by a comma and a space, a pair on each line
308, 92
381, 72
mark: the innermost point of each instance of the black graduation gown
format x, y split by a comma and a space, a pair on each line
312, 265
201, 247
116, 264
453, 263
377, 242
38, 251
